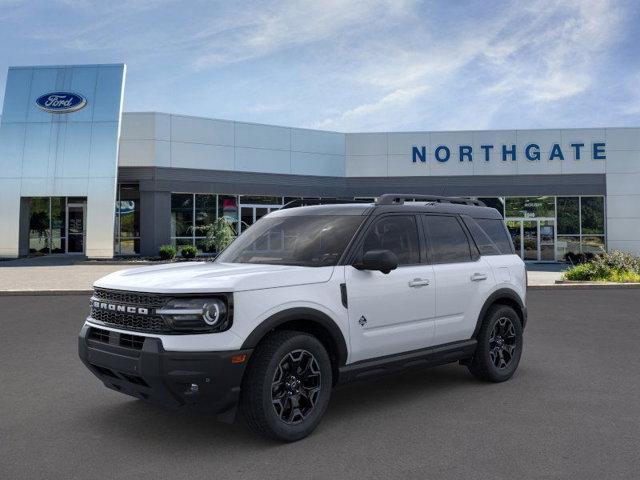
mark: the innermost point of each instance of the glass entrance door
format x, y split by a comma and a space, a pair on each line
534, 239
75, 227
530, 240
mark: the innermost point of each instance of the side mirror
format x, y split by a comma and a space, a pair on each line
382, 260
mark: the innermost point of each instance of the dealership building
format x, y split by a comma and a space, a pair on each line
79, 176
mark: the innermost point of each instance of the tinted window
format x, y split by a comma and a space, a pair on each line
398, 234
310, 241
485, 245
447, 239
496, 232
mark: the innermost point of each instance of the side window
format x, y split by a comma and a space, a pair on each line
448, 241
398, 234
497, 232
486, 245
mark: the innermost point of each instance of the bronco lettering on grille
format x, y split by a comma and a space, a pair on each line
119, 308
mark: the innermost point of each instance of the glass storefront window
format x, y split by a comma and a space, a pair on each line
592, 213
593, 244
228, 208
127, 226
530, 207
205, 210
181, 214
568, 216
259, 200
39, 225
567, 244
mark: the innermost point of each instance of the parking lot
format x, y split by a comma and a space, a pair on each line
571, 411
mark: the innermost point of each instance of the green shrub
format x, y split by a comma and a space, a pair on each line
167, 252
219, 234
188, 251
614, 266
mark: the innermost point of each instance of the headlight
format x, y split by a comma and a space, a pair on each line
196, 314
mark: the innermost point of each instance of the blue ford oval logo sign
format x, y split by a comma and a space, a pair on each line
61, 102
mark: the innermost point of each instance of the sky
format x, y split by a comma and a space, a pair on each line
351, 65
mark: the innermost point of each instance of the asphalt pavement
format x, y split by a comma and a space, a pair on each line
571, 411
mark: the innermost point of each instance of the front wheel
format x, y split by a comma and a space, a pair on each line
499, 345
287, 386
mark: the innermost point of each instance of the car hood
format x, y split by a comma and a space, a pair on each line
196, 277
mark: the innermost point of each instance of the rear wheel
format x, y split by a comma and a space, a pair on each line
499, 345
287, 386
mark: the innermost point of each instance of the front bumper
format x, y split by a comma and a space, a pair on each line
139, 366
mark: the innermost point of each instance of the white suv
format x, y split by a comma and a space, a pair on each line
309, 297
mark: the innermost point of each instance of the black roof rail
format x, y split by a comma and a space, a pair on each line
400, 198
306, 202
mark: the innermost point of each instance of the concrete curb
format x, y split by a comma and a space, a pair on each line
583, 286
21, 293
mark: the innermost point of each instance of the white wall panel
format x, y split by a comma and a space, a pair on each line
198, 155
313, 141
400, 143
139, 126
366, 144
140, 153
623, 161
366, 166
263, 160
201, 130
262, 136
623, 139
402, 165
303, 163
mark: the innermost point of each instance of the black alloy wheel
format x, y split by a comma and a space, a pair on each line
287, 385
502, 342
296, 385
499, 345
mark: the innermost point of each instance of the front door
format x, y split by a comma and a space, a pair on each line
75, 227
394, 312
534, 239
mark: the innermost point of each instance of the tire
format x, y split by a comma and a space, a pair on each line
270, 392
499, 346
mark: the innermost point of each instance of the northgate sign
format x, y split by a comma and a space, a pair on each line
532, 152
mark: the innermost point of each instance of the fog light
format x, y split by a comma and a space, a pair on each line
193, 388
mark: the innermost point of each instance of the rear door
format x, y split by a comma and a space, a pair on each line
463, 279
394, 312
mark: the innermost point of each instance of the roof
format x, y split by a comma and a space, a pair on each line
413, 207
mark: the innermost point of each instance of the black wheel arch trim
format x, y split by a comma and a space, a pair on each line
511, 298
300, 314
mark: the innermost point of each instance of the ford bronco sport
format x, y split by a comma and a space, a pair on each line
309, 297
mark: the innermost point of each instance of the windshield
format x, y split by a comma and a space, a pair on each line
310, 241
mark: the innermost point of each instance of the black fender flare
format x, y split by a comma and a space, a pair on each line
300, 314
502, 295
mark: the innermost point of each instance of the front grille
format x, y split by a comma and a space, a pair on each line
128, 320
148, 300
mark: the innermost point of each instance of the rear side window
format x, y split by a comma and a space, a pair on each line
496, 231
447, 239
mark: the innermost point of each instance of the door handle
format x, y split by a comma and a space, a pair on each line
476, 277
418, 282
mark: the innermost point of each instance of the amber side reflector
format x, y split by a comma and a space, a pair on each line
239, 358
